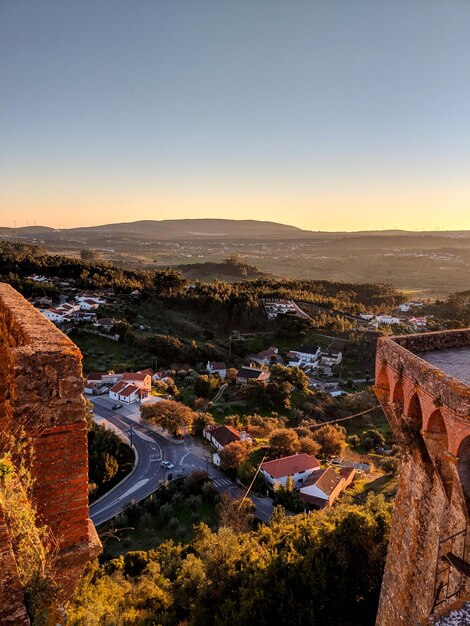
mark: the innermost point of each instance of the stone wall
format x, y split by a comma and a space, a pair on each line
41, 401
429, 414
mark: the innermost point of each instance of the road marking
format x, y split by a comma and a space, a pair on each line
137, 485
183, 458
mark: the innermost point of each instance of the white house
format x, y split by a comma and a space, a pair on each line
305, 355
220, 436
265, 357
89, 304
329, 359
217, 367
143, 380
418, 322
55, 315
299, 466
323, 487
388, 319
126, 392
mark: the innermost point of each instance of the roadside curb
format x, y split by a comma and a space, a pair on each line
136, 461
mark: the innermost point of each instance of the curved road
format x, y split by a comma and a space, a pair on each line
151, 449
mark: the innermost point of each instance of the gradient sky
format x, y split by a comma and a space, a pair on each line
325, 114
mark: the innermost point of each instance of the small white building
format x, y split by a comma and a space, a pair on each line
299, 466
126, 392
382, 320
328, 359
265, 357
217, 367
89, 304
55, 315
143, 380
323, 487
305, 355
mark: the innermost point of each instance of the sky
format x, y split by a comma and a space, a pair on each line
323, 114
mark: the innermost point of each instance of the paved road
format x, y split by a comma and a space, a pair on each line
151, 449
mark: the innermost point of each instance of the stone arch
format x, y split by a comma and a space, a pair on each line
436, 424
414, 412
383, 381
437, 443
399, 393
463, 469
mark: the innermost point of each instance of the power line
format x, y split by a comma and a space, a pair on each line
342, 419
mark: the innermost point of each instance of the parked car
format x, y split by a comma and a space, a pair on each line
167, 465
115, 407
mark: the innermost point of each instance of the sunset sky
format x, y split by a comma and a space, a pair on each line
324, 114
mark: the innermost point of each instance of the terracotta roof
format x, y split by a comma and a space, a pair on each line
270, 352
345, 472
136, 376
326, 480
289, 465
95, 376
118, 387
149, 371
225, 434
128, 390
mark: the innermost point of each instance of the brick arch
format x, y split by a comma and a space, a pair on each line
398, 394
437, 443
413, 409
435, 423
383, 380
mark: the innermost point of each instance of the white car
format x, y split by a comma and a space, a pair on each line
167, 465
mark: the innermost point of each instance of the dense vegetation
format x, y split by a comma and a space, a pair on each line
321, 570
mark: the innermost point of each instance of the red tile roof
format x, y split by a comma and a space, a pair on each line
136, 376
326, 480
95, 376
224, 434
148, 371
129, 390
289, 465
118, 387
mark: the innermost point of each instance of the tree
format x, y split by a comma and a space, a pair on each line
234, 454
309, 446
283, 442
235, 513
206, 386
372, 438
88, 255
200, 421
331, 439
172, 416
293, 375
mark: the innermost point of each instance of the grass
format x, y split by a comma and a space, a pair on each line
385, 484
101, 354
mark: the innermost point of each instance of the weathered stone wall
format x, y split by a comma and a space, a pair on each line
429, 414
41, 399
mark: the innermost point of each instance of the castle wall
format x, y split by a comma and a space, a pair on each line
429, 414
41, 401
